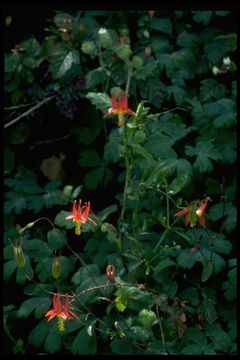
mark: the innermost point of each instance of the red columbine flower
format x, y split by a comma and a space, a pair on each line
120, 108
66, 309
80, 215
193, 213
57, 311
61, 312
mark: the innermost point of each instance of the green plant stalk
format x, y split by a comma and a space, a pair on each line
161, 330
128, 172
167, 204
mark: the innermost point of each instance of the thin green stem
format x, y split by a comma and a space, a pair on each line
161, 329
161, 239
128, 172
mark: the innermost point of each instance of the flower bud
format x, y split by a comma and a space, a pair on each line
19, 256
215, 70
56, 267
148, 51
110, 270
28, 226
151, 13
88, 47
124, 52
227, 61
137, 62
104, 38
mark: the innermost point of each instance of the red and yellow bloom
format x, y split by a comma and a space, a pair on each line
80, 215
120, 108
61, 312
194, 213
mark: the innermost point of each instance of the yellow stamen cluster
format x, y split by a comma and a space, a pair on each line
61, 326
78, 228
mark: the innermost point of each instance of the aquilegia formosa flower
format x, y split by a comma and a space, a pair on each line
194, 213
120, 107
80, 215
61, 312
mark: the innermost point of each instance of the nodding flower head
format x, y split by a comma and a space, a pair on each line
80, 215
194, 213
120, 108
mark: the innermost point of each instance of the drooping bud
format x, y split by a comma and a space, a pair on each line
111, 272
151, 13
148, 51
19, 256
28, 226
56, 267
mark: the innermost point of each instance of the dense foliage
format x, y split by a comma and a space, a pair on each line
135, 112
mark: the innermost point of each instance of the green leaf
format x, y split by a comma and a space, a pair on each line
62, 60
220, 47
202, 16
147, 318
96, 77
56, 239
53, 341
146, 71
192, 349
60, 220
9, 268
178, 184
222, 246
141, 334
107, 211
139, 149
207, 270
86, 277
195, 335
89, 158
31, 46
83, 344
37, 248
219, 337
94, 178
39, 304
203, 150
39, 333
211, 89
187, 258
100, 100
122, 347
113, 151
163, 25
163, 264
190, 295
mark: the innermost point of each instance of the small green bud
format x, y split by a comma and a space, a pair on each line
137, 62
124, 52
28, 226
105, 39
56, 267
19, 256
89, 48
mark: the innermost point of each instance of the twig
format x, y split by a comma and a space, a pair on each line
19, 106
29, 111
